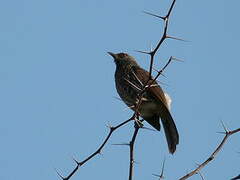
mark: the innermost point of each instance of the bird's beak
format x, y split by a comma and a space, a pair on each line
112, 54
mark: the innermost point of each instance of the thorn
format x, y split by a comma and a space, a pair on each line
159, 72
154, 69
224, 127
75, 161
108, 125
143, 52
163, 165
200, 174
176, 59
171, 37
121, 144
197, 164
135, 162
161, 175
133, 85
156, 175
151, 48
137, 78
221, 132
59, 174
154, 15
162, 74
152, 85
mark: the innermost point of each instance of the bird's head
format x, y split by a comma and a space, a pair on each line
123, 59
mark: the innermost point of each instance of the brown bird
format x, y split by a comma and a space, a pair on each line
130, 79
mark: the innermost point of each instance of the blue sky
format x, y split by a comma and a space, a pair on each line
57, 88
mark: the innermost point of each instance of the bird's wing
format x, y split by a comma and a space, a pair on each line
155, 91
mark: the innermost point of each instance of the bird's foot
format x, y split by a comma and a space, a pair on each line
138, 123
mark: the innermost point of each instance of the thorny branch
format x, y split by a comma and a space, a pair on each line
161, 176
140, 95
98, 151
150, 81
164, 36
213, 155
131, 144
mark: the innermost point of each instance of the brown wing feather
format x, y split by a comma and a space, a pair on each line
155, 91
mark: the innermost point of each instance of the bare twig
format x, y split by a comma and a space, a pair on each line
161, 176
162, 39
98, 151
160, 72
200, 174
213, 155
131, 144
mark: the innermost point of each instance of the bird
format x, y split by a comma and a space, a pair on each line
130, 79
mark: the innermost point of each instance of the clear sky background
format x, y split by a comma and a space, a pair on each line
57, 88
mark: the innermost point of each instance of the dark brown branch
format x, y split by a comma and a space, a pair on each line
131, 144
136, 114
164, 36
213, 155
200, 174
161, 176
98, 151
161, 71
149, 83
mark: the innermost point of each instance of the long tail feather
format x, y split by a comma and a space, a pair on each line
170, 129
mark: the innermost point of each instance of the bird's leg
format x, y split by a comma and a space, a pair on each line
138, 123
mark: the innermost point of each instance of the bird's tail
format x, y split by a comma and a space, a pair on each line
170, 129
